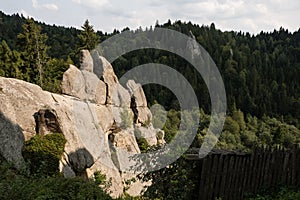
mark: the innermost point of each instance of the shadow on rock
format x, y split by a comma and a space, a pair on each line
79, 161
11, 141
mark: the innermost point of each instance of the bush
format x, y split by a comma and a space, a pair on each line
100, 179
44, 152
17, 186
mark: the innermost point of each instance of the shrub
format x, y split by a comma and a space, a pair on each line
44, 152
142, 142
100, 179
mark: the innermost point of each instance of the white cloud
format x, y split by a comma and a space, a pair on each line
95, 4
245, 15
47, 6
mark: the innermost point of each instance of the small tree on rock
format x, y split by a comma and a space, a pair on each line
88, 38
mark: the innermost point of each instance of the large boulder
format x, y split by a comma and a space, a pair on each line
84, 85
73, 83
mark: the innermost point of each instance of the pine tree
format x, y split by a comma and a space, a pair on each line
88, 38
32, 43
9, 62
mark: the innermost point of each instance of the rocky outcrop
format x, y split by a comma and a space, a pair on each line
86, 61
12, 141
84, 85
139, 103
136, 91
97, 116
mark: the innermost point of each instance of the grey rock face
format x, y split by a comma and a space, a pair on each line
95, 89
83, 85
86, 61
73, 83
95, 114
136, 91
12, 141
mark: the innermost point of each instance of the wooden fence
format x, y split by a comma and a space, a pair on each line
230, 175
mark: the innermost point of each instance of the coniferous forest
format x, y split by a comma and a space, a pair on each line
261, 73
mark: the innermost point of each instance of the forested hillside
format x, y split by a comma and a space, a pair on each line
261, 72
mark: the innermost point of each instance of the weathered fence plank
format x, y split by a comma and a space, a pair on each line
229, 175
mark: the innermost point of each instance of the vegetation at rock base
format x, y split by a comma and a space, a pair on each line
40, 179
17, 185
44, 153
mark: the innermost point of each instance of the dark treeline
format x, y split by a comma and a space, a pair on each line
261, 72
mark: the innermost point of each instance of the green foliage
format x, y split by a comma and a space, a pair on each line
142, 142
249, 139
88, 38
54, 74
44, 152
171, 125
256, 132
177, 181
14, 185
159, 116
100, 179
283, 194
9, 62
33, 48
238, 116
231, 126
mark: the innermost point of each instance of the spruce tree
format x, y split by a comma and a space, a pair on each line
33, 48
88, 38
9, 62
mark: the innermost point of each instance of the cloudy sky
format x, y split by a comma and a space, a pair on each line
105, 15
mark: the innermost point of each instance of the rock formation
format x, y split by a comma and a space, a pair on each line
95, 113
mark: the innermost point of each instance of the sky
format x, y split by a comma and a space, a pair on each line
106, 15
